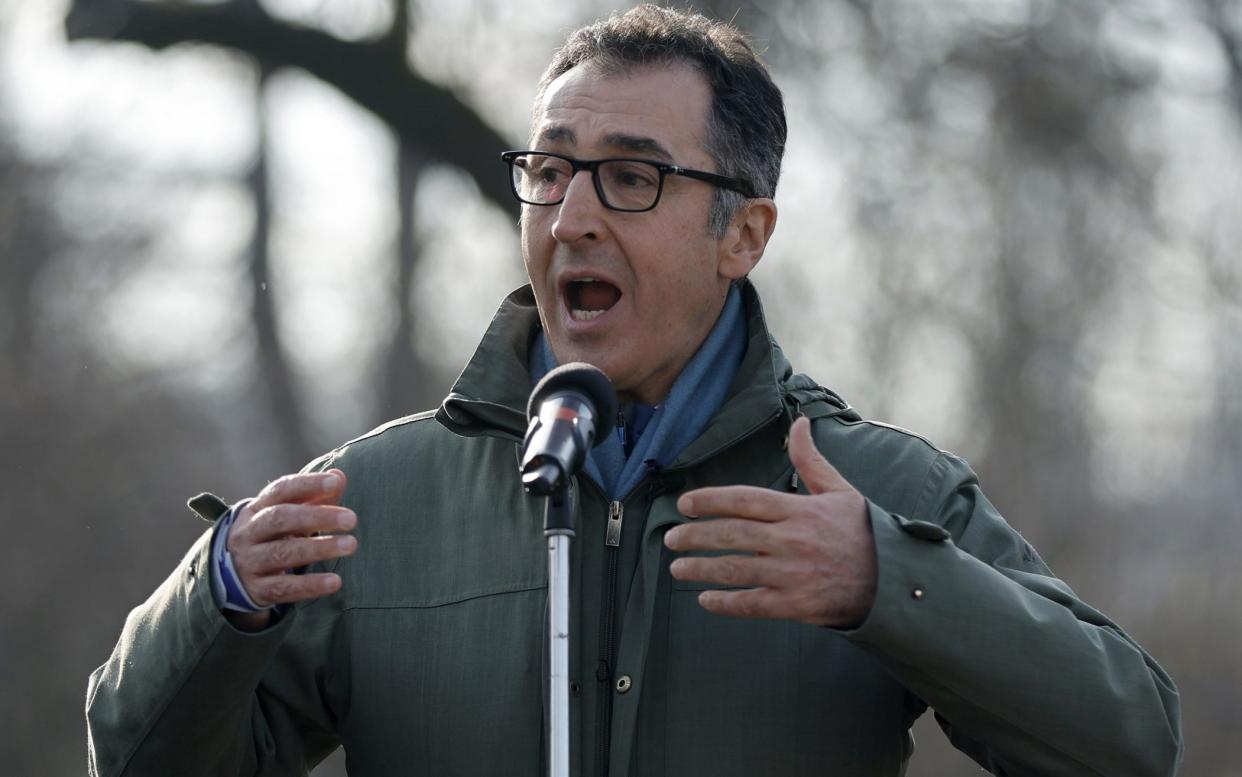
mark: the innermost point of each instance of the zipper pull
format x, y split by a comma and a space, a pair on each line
616, 511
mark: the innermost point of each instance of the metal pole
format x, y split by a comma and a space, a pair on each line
558, 643
558, 528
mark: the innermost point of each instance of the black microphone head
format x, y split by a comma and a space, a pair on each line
586, 379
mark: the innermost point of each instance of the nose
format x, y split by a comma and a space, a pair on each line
579, 213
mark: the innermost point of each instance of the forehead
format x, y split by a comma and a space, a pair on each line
657, 110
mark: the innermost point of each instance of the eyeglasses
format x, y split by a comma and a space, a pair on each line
630, 185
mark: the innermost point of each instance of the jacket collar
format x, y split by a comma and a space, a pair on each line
490, 395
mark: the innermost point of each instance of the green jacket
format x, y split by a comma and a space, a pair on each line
432, 658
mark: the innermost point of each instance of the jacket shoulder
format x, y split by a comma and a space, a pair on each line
860, 430
400, 434
894, 467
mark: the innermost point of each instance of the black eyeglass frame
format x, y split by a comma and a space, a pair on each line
739, 185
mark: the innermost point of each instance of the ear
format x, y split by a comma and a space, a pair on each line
743, 244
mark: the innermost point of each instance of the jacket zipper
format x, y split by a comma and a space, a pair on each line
607, 637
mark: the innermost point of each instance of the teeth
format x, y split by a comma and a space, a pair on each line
585, 315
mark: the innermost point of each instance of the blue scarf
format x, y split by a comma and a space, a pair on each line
658, 434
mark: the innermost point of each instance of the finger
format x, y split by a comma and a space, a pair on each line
815, 470
281, 555
748, 603
286, 589
760, 504
291, 520
720, 534
303, 488
735, 571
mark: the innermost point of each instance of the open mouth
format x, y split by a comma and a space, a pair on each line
589, 298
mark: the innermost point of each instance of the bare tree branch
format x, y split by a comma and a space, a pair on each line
374, 74
284, 402
405, 381
1226, 279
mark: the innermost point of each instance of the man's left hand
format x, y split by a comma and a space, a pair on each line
813, 554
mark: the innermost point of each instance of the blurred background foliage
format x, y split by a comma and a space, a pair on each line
234, 233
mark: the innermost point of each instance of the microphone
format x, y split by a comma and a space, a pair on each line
571, 410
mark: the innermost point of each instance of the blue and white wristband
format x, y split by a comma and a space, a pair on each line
226, 588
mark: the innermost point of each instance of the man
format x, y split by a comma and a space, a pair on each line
800, 630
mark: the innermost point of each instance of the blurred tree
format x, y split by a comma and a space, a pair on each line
431, 125
1073, 209
275, 376
23, 239
1219, 250
403, 383
373, 73
81, 436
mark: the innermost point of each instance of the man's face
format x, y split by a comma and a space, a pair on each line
633, 293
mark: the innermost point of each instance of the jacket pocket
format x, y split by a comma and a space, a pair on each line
453, 688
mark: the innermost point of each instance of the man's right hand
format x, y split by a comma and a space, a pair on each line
294, 521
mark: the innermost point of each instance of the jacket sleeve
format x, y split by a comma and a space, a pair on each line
185, 693
1023, 676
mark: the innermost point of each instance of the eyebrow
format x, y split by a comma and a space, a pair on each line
556, 134
635, 144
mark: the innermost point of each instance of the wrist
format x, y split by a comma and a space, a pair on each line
249, 621
227, 588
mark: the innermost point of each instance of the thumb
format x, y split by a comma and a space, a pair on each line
812, 467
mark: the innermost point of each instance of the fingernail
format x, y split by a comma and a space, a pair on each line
345, 543
345, 521
331, 480
670, 538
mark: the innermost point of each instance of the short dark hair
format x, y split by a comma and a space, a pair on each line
746, 125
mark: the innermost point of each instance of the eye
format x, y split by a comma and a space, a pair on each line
544, 169
548, 171
632, 175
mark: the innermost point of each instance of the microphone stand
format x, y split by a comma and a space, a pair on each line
571, 409
558, 528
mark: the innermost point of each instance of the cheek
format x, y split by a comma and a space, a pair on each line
535, 250
690, 279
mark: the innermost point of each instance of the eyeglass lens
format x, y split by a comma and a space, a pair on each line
542, 180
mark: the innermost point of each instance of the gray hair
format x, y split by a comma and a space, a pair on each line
746, 125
